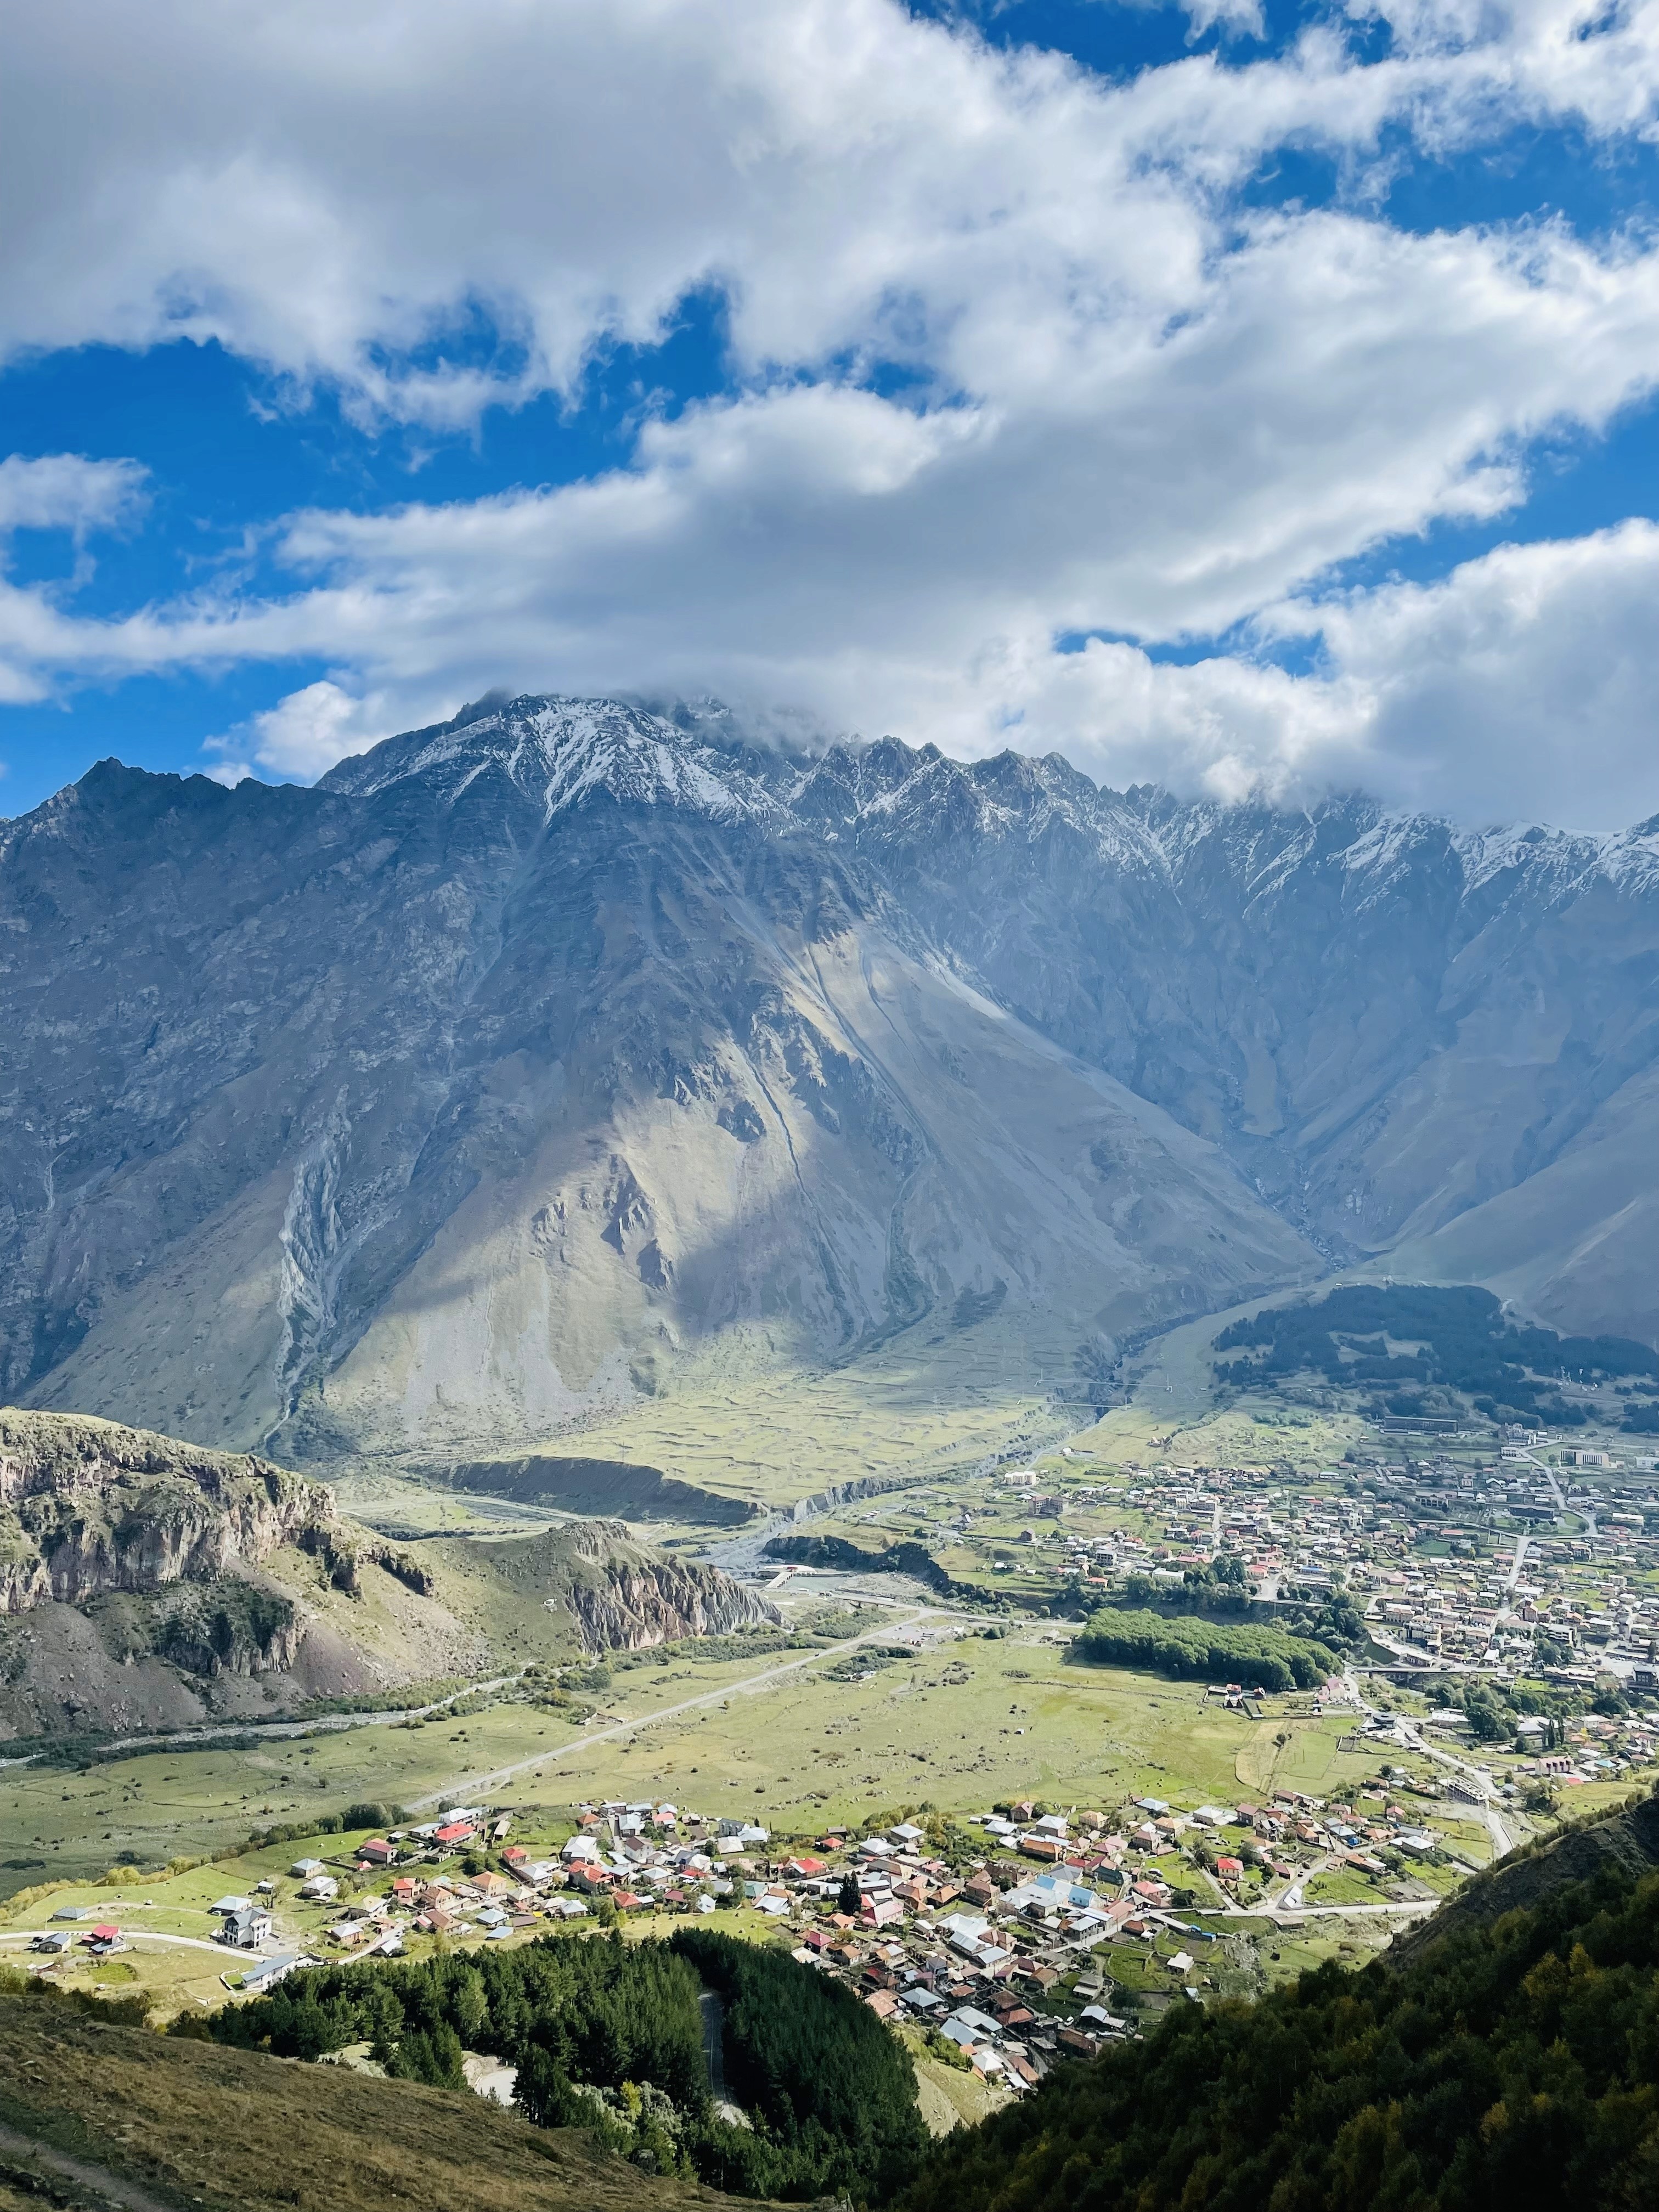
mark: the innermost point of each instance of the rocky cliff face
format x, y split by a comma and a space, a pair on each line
151, 1583
145, 1581
465, 1099
622, 1596
88, 1507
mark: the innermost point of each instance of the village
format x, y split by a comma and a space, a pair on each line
1493, 1615
1069, 1929
1002, 1940
1531, 1563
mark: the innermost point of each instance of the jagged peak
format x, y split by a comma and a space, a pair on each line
558, 751
700, 757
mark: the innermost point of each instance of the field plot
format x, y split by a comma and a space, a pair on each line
961, 1726
753, 1427
849, 1735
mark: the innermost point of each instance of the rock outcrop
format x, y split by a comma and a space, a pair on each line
907, 1557
622, 1596
88, 1507
151, 1583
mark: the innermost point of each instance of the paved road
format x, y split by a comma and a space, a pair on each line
1283, 1910
1549, 1475
132, 1937
1413, 1909
1506, 1605
1289, 1898
1486, 1812
1514, 1575
747, 1687
1410, 1735
1585, 1508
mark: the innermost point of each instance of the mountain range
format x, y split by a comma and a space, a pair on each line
572, 1055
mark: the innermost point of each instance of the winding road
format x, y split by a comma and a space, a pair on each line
1409, 1736
132, 1937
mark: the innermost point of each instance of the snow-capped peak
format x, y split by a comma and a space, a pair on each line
558, 752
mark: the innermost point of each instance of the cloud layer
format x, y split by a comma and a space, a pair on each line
1012, 357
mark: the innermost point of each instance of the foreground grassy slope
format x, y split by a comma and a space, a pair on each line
201, 2125
1510, 2062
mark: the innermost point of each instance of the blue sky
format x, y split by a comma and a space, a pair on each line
1251, 398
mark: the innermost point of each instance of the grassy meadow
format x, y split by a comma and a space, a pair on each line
195, 2124
746, 1424
797, 1740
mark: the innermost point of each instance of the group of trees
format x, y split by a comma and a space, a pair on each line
607, 2035
1195, 1650
1495, 1709
368, 1814
601, 2010
832, 2092
1465, 1344
1508, 2068
1218, 1586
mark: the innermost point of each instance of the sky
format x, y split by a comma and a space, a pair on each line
1245, 396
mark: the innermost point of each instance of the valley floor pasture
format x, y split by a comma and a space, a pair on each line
853, 1733
802, 1740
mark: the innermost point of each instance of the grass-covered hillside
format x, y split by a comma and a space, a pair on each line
96, 2112
1511, 2064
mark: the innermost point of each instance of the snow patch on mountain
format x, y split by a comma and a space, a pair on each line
559, 753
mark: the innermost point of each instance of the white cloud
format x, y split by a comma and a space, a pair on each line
65, 491
324, 189
1138, 408
1526, 683
56, 492
302, 735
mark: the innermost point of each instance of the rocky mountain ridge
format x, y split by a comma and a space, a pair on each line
149, 1583
88, 1507
530, 1063
624, 1596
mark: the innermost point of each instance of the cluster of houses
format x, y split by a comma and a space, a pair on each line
1591, 1748
1002, 1949
1425, 1547
978, 1959
1001, 1957
102, 1938
632, 1856
1011, 1961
